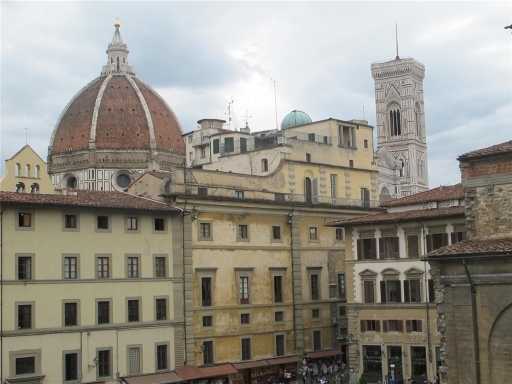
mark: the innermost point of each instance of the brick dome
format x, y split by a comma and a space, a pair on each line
116, 121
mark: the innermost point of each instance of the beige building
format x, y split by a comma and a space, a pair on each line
392, 323
92, 287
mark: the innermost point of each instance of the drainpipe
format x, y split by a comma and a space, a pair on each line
183, 214
425, 283
475, 324
2, 290
290, 218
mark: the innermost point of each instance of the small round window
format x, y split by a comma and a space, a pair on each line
123, 180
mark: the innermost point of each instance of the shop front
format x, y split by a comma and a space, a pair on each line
264, 371
323, 362
395, 363
167, 377
419, 364
372, 363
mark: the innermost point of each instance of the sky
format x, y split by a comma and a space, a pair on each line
200, 55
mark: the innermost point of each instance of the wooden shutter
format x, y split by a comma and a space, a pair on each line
381, 248
430, 243
407, 298
431, 292
445, 239
454, 237
399, 292
359, 249
412, 246
315, 190
377, 325
400, 326
363, 325
384, 325
418, 324
374, 249
408, 326
383, 292
396, 243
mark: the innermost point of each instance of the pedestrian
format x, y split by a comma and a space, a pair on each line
281, 376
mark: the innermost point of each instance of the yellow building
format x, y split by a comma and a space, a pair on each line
92, 287
392, 322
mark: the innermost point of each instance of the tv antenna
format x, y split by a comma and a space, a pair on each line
26, 135
230, 112
274, 81
396, 39
246, 118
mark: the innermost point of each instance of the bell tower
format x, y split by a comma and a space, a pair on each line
401, 123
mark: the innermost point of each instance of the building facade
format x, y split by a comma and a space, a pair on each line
92, 287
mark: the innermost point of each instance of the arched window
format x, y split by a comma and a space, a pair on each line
17, 170
20, 187
402, 169
308, 190
395, 126
34, 188
27, 170
37, 172
385, 191
264, 165
72, 182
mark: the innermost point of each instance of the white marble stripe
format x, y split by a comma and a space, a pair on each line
152, 141
94, 122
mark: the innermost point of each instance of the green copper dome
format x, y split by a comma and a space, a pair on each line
294, 119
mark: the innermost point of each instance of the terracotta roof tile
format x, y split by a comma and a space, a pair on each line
494, 149
160, 174
400, 216
442, 193
97, 199
474, 246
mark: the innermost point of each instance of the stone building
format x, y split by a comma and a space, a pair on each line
391, 320
473, 278
401, 131
113, 130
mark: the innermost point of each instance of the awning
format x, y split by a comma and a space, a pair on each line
218, 370
188, 372
251, 364
284, 360
159, 378
325, 353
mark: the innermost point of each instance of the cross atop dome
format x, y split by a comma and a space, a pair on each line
117, 52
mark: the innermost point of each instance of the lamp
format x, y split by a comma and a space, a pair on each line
195, 208
194, 217
202, 347
290, 215
383, 353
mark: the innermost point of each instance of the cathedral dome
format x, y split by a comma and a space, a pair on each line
294, 119
113, 115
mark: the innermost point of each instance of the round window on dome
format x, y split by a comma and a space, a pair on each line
123, 180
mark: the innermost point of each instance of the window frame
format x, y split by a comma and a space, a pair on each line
207, 315
128, 360
164, 224
273, 238
339, 235
155, 269
129, 270
156, 299
314, 341
313, 235
315, 271
129, 221
367, 276
244, 273
32, 216
77, 313
78, 354
98, 365
97, 223
240, 228
158, 368
107, 256
341, 286
110, 311
75, 256
315, 314
139, 309
245, 318
14, 355
208, 357
246, 349
65, 216
276, 346
29, 256
31, 305
201, 234
206, 273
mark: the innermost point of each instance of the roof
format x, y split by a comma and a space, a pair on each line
324, 353
159, 378
294, 119
442, 193
159, 174
475, 247
492, 150
438, 213
83, 198
188, 372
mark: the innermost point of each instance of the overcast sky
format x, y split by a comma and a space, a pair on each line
199, 55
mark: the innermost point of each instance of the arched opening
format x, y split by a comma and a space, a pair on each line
17, 170
37, 172
385, 191
20, 187
27, 170
72, 182
395, 126
264, 165
34, 188
308, 190
500, 346
402, 169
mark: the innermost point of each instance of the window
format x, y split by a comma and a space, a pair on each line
317, 340
104, 363
431, 291
216, 146
244, 289
123, 180
239, 194
201, 191
159, 224
389, 248
70, 267
365, 143
313, 235
278, 289
203, 152
264, 165
25, 365
71, 367
161, 309
370, 325
413, 326
394, 121
346, 136
342, 311
190, 139
412, 291
334, 189
207, 321
70, 314
276, 232
132, 223
161, 357
366, 249
207, 352
243, 232
369, 291
70, 221
418, 362
365, 197
278, 316
390, 291
392, 326
279, 197
436, 241
103, 312
315, 313
341, 286
308, 158
25, 268
132, 266
205, 231
243, 145
280, 351
246, 349
191, 156
351, 163
24, 220
457, 236
133, 360
133, 311
311, 137
245, 318
103, 264
102, 222
413, 246
206, 291
338, 234
229, 144
160, 270
315, 295
25, 316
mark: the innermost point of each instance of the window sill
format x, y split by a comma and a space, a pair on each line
23, 378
